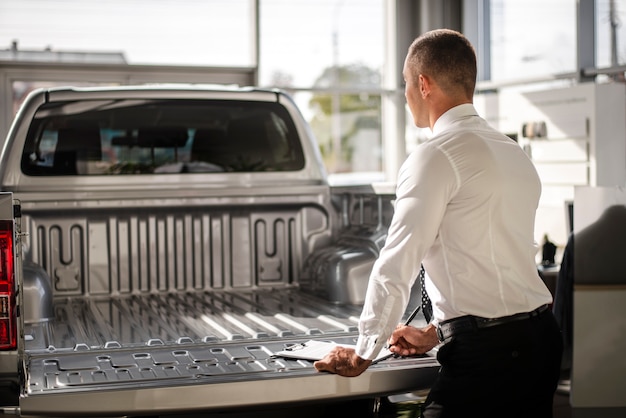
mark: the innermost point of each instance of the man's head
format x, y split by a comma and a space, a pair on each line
441, 61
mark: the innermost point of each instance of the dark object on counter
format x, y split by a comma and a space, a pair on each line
548, 252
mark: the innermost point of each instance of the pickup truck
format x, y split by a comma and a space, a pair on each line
159, 244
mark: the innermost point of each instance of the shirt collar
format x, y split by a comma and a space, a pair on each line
453, 114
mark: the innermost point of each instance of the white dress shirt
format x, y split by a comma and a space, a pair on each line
465, 208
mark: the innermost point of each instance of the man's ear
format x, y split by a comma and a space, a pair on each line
424, 85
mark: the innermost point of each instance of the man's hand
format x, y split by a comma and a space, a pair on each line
343, 361
409, 341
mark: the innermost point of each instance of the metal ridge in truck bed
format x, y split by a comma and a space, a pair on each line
170, 318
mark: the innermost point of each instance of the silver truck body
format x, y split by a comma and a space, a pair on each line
169, 292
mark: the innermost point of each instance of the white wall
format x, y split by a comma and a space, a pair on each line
584, 143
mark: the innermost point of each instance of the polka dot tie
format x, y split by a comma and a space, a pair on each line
427, 308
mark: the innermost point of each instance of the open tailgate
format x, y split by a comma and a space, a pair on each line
225, 360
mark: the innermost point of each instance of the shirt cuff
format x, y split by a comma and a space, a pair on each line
368, 347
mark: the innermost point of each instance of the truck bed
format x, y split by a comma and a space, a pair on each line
143, 335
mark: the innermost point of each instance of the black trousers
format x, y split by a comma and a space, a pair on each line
505, 371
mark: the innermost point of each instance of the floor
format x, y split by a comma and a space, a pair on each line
562, 407
409, 405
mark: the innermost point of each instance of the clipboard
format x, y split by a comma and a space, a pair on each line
317, 350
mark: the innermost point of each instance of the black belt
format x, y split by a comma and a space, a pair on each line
464, 324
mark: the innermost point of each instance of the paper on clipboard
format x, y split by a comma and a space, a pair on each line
316, 350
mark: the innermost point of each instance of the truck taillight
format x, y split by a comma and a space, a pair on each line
8, 326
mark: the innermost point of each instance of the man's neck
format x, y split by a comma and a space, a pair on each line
442, 107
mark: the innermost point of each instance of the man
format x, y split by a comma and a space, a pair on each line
465, 209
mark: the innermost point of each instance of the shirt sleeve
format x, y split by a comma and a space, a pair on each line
425, 184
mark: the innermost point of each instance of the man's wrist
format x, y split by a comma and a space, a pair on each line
361, 362
431, 331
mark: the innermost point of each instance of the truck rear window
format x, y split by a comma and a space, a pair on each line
108, 137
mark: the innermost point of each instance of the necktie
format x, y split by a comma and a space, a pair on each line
427, 308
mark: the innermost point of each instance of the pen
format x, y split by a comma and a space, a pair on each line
407, 322
412, 316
